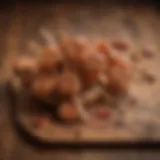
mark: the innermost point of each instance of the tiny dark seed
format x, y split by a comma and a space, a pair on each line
149, 77
119, 123
120, 45
147, 54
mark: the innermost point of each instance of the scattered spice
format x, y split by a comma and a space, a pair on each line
132, 101
39, 120
120, 45
44, 86
148, 77
103, 113
136, 57
147, 53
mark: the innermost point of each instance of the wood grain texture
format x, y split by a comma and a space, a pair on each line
108, 21
20, 24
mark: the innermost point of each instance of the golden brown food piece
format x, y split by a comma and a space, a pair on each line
49, 59
81, 44
68, 84
148, 77
39, 121
68, 49
75, 50
68, 112
66, 46
44, 86
89, 78
119, 75
136, 57
93, 68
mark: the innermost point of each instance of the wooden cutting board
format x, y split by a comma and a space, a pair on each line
139, 26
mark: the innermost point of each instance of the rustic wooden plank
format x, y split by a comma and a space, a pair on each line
32, 20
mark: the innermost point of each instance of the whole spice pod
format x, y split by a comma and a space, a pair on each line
49, 59
103, 47
93, 68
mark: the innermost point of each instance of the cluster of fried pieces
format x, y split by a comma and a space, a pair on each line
73, 75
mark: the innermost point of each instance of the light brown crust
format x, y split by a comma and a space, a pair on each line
73, 66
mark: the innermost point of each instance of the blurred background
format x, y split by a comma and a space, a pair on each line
20, 22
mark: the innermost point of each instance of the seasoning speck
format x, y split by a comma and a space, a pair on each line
148, 77
146, 53
119, 123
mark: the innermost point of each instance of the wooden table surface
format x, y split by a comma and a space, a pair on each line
24, 20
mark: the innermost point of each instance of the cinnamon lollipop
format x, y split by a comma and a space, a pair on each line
119, 75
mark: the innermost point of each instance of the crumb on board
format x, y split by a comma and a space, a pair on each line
147, 53
68, 112
120, 45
